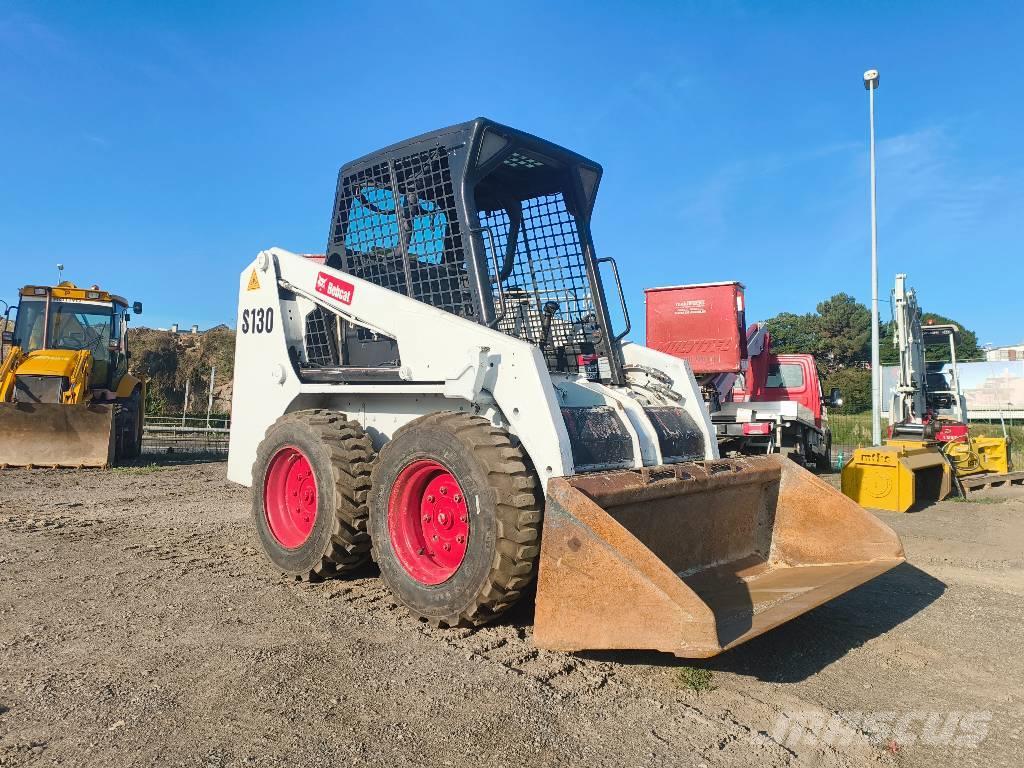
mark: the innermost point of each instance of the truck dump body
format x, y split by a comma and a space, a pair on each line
694, 559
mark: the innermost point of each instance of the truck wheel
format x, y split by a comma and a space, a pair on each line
824, 460
310, 481
455, 518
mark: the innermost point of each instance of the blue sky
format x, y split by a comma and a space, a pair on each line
155, 148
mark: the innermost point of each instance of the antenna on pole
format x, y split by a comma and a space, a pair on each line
60, 273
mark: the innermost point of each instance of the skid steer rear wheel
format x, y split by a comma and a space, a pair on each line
454, 518
310, 482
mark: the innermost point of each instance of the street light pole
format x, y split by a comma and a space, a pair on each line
871, 84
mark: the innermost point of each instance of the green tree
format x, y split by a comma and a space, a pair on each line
793, 334
838, 334
966, 348
844, 331
855, 386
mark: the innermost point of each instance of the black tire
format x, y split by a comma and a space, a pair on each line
823, 461
341, 456
505, 507
128, 427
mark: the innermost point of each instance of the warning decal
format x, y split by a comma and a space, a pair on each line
254, 283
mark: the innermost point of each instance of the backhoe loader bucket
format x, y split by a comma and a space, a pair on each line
55, 435
898, 475
696, 558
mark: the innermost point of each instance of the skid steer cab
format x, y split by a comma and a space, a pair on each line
66, 397
445, 392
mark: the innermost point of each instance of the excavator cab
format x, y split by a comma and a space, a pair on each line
66, 398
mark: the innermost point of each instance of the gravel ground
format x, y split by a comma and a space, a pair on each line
141, 625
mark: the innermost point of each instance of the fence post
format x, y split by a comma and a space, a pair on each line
184, 405
209, 402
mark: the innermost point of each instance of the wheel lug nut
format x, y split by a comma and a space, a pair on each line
447, 547
426, 518
430, 498
434, 537
456, 498
461, 539
463, 518
444, 490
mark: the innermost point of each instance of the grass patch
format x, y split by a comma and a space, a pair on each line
695, 679
141, 469
977, 500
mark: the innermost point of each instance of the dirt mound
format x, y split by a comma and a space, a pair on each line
167, 360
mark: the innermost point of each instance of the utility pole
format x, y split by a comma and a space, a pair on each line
871, 84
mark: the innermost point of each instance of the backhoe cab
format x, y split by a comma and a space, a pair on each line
66, 397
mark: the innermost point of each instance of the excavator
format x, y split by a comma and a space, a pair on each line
445, 392
929, 452
66, 397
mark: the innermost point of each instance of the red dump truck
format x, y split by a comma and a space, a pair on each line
759, 402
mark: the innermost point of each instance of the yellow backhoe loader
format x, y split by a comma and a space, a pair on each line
66, 397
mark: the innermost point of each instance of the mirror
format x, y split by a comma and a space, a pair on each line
137, 307
835, 398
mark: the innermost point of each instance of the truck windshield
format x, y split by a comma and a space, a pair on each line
785, 376
73, 325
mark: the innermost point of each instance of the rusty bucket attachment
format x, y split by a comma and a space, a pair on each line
898, 475
696, 558
55, 435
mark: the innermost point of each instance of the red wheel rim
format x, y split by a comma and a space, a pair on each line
428, 522
290, 497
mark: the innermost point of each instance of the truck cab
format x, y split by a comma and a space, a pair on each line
790, 377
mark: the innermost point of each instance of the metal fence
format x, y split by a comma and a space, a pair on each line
852, 431
196, 435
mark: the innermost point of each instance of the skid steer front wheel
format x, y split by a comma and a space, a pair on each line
454, 518
310, 481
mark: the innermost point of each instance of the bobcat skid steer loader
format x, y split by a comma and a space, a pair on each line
445, 392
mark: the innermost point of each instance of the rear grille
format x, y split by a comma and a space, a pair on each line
39, 389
